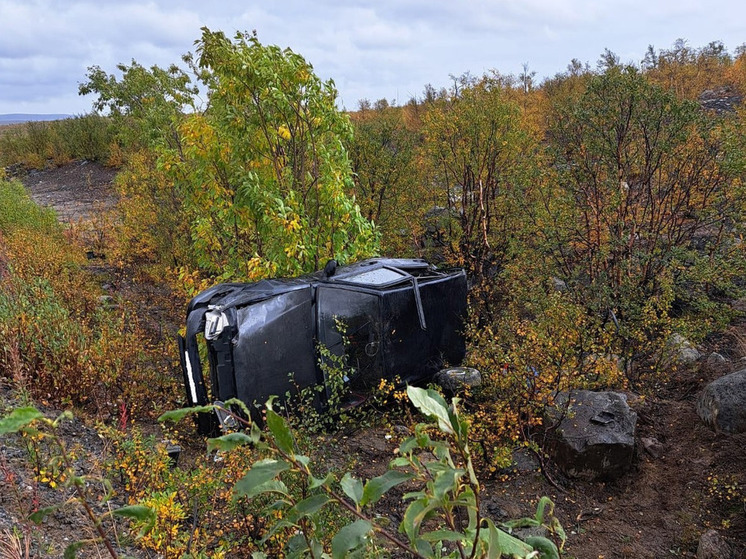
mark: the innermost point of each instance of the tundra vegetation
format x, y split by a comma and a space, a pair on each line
596, 213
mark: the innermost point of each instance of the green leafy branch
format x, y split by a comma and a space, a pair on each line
442, 468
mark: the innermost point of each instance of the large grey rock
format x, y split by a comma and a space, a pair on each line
680, 350
722, 404
596, 439
716, 360
713, 546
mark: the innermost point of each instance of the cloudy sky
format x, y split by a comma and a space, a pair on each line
372, 49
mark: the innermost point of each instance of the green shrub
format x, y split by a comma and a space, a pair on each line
87, 137
35, 144
642, 213
439, 470
17, 210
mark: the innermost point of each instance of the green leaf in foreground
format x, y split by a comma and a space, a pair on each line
281, 432
315, 483
135, 512
410, 524
544, 546
510, 545
375, 488
260, 473
139, 513
178, 415
271, 486
241, 405
308, 506
350, 537
493, 537
228, 442
433, 405
352, 487
544, 502
443, 536
18, 419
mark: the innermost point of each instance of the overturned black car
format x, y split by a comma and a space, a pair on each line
387, 318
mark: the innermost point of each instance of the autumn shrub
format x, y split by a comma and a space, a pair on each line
76, 483
295, 495
640, 214
383, 157
76, 356
89, 137
9, 145
57, 335
264, 171
630, 231
726, 494
688, 71
26, 145
143, 470
143, 104
479, 155
17, 209
195, 508
153, 227
543, 343
37, 143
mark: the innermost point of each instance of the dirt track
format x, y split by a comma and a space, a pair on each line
76, 191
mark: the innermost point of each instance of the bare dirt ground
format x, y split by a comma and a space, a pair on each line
77, 191
660, 509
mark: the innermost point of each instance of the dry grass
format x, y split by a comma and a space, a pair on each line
11, 546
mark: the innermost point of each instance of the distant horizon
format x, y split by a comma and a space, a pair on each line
20, 118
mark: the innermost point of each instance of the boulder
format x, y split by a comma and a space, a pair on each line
713, 546
716, 360
722, 404
680, 350
595, 440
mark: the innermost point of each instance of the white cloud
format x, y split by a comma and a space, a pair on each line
371, 48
